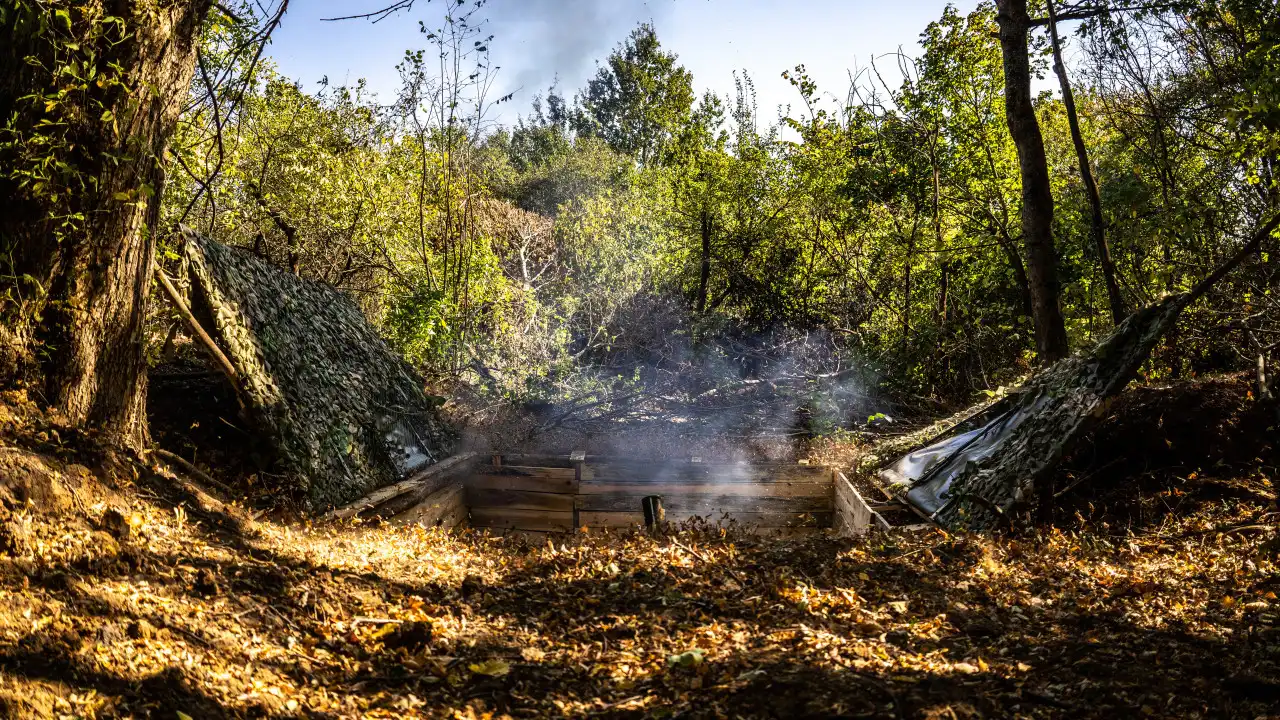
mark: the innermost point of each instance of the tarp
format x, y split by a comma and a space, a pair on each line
344, 412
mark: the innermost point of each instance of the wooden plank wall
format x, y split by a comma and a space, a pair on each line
445, 508
560, 493
853, 515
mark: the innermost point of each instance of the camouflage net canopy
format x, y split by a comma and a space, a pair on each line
345, 414
973, 478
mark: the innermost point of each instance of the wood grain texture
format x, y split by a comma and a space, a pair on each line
706, 503
555, 480
853, 515
682, 472
516, 519
814, 521
597, 486
445, 508
519, 499
416, 487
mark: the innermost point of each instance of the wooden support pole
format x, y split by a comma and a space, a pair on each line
204, 337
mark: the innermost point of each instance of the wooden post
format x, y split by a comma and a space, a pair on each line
578, 458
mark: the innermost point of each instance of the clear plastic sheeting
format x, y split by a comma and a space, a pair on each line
928, 473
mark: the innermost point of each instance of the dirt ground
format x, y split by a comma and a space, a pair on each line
1152, 592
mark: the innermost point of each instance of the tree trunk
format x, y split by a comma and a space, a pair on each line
704, 272
1037, 199
1097, 227
939, 247
85, 128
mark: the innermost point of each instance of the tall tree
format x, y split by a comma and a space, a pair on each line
1037, 198
90, 92
639, 99
1097, 223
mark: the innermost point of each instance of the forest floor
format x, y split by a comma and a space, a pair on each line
1153, 593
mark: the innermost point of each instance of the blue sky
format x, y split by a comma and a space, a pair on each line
539, 40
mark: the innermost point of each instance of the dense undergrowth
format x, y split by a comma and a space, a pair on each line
1151, 593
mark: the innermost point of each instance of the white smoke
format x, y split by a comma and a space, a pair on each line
539, 41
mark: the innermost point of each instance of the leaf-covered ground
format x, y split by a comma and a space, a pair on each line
114, 603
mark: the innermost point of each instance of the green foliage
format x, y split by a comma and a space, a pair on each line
598, 239
638, 100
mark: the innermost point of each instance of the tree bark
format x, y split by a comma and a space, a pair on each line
1097, 225
78, 240
1037, 198
704, 271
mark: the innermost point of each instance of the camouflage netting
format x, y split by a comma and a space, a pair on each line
345, 414
973, 479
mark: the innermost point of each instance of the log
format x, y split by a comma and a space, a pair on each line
414, 488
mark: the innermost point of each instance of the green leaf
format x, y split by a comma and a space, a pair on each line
689, 658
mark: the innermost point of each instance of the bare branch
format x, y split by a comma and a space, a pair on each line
376, 15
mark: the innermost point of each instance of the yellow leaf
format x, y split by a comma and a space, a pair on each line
492, 668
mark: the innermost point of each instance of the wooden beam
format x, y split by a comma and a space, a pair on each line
815, 521
701, 504
506, 518
422, 482
205, 339
853, 515
546, 483
519, 499
444, 508
778, 490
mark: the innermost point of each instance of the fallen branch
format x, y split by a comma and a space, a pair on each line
191, 469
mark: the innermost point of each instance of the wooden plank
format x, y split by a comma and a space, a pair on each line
702, 472
521, 519
519, 499
706, 503
445, 507
853, 514
535, 471
559, 481
597, 486
527, 460
764, 520
408, 492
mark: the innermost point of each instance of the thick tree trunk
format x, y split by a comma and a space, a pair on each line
1097, 224
1037, 199
81, 171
